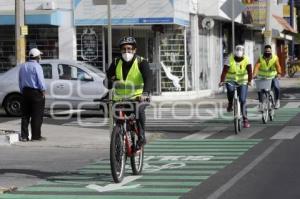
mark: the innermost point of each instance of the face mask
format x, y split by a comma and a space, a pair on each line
267, 54
239, 53
127, 56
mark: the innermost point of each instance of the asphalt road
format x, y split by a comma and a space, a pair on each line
195, 155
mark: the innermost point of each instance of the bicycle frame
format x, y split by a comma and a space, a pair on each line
236, 108
129, 125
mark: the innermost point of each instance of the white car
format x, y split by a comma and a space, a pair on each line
70, 85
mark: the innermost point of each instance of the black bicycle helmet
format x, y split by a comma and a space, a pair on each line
127, 40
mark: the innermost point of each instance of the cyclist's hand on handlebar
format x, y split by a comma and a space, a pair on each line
221, 84
249, 83
145, 97
255, 77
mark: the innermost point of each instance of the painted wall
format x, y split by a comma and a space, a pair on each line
133, 12
35, 4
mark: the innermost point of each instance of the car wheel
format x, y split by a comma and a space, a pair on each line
12, 105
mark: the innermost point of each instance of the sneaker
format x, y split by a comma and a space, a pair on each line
22, 139
277, 104
229, 108
246, 124
39, 139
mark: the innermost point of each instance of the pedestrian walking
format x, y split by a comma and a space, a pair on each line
32, 87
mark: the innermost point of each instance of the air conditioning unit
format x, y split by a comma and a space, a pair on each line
49, 5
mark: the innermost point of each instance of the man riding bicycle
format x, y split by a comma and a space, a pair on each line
237, 70
268, 67
132, 76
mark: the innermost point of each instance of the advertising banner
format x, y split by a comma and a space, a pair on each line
255, 12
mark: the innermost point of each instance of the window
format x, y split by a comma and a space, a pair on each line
47, 70
68, 72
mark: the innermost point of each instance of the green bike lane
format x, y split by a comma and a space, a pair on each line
282, 116
172, 167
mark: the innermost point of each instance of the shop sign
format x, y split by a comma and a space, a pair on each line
89, 45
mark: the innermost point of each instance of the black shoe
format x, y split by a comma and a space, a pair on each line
24, 139
39, 139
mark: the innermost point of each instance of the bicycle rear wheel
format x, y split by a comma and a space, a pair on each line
117, 154
265, 107
137, 159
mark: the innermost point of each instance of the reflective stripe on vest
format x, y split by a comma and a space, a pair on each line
132, 85
237, 70
267, 70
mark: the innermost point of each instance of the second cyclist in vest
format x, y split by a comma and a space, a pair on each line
268, 67
237, 70
133, 78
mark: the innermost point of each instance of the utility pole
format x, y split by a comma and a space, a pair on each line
232, 24
20, 31
268, 30
292, 5
109, 37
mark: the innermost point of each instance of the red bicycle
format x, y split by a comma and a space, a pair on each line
123, 142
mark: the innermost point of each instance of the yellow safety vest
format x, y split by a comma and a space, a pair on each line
267, 70
237, 70
133, 84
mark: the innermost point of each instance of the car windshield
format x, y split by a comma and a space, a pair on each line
92, 68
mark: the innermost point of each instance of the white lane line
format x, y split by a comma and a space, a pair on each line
246, 133
292, 105
208, 131
243, 172
288, 132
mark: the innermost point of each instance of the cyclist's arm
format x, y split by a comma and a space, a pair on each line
256, 68
278, 67
111, 75
147, 76
249, 70
224, 72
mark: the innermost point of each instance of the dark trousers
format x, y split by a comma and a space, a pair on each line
242, 92
275, 86
32, 108
141, 119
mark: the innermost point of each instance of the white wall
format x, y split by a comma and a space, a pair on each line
35, 4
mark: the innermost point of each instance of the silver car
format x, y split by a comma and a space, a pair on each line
70, 85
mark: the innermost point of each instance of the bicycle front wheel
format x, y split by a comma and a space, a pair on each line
237, 116
117, 154
271, 106
265, 108
137, 159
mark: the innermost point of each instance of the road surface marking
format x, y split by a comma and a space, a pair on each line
208, 131
243, 172
246, 133
114, 186
288, 132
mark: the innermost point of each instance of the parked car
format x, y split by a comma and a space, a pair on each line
70, 85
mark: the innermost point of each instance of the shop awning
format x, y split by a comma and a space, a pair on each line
36, 17
286, 26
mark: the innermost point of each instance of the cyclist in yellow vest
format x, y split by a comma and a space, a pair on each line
132, 78
237, 70
267, 66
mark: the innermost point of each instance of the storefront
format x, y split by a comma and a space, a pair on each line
161, 37
43, 33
